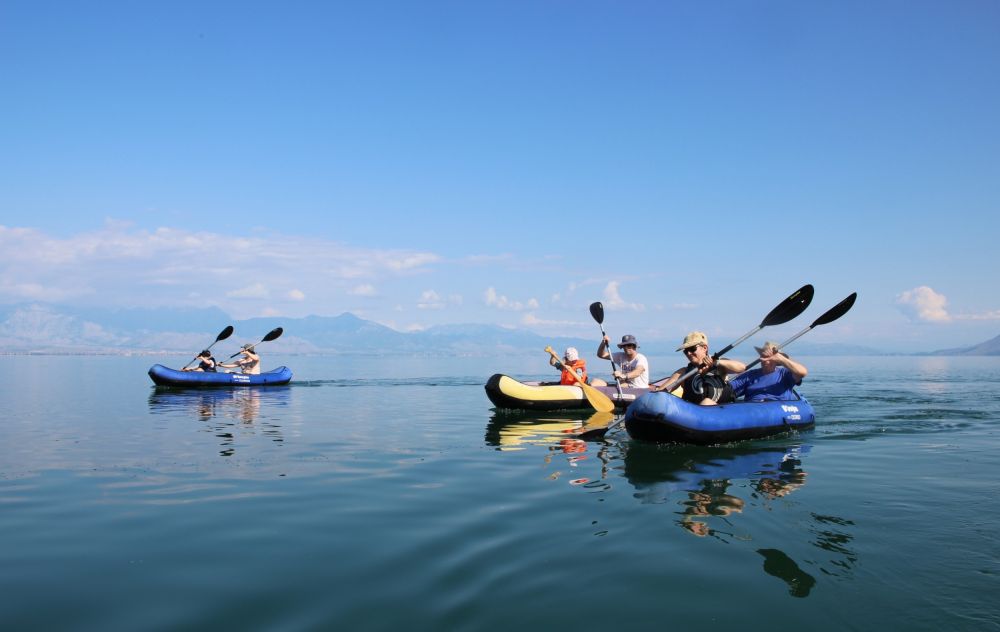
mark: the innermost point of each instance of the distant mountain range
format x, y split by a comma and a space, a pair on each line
38, 328
989, 348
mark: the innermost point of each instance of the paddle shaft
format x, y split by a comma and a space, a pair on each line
828, 316
271, 335
225, 333
597, 312
611, 356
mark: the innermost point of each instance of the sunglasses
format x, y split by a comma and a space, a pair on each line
691, 349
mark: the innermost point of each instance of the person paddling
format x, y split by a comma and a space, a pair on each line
774, 380
707, 386
633, 371
206, 363
571, 363
248, 363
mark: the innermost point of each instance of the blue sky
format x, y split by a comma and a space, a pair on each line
421, 163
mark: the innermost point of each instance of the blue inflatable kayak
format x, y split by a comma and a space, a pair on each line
664, 418
163, 376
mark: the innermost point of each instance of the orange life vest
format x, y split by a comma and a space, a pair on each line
577, 366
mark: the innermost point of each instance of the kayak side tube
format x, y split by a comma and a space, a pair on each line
165, 376
664, 418
506, 392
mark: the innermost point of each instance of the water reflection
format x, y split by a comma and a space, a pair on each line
517, 430
225, 410
711, 487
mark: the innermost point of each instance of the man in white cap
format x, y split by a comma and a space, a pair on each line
774, 380
571, 364
633, 367
707, 386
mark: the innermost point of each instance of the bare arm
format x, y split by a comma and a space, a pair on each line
731, 366
662, 384
797, 369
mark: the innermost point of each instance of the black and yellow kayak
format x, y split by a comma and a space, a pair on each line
506, 392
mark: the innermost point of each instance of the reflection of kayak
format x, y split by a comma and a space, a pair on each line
506, 392
656, 472
172, 377
508, 429
664, 418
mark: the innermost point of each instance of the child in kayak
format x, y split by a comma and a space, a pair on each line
571, 364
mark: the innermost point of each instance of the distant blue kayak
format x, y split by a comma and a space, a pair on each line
163, 376
664, 418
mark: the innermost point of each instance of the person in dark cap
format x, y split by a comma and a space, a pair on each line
206, 363
633, 367
708, 386
773, 380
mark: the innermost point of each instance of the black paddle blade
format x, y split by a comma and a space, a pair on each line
836, 311
790, 307
225, 333
597, 311
274, 333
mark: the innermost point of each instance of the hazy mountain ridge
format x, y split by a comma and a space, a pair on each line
989, 348
39, 328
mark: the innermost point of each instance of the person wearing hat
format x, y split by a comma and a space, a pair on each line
708, 386
206, 364
633, 367
774, 380
572, 363
248, 363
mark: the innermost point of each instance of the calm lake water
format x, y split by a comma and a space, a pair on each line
386, 493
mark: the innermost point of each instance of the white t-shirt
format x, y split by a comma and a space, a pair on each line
627, 366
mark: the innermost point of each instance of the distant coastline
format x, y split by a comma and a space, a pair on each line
46, 330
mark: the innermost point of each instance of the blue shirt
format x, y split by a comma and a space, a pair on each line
756, 386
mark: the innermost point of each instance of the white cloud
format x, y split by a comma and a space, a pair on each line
429, 299
613, 299
531, 320
257, 290
365, 289
924, 304
502, 302
118, 265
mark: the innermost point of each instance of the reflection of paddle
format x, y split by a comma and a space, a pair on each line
597, 399
597, 421
784, 312
831, 315
597, 311
225, 333
271, 335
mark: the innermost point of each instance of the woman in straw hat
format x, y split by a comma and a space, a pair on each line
707, 386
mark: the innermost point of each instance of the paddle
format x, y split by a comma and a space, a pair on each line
829, 316
225, 333
597, 311
784, 312
271, 335
597, 399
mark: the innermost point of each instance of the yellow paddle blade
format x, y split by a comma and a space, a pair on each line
600, 401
